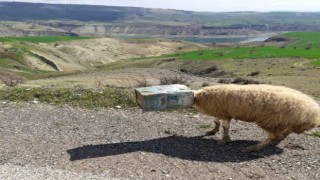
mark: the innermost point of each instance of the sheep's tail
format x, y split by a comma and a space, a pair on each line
318, 120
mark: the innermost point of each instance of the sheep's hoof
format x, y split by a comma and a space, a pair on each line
224, 141
211, 133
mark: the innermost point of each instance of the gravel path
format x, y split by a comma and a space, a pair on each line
40, 141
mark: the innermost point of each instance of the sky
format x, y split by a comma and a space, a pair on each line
203, 5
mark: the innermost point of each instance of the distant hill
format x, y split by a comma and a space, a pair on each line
61, 19
18, 11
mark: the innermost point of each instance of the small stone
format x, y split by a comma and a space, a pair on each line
118, 107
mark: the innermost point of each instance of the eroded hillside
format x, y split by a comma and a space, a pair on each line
83, 54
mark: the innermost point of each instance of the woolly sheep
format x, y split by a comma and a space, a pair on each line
276, 109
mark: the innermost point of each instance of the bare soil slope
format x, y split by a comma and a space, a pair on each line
88, 54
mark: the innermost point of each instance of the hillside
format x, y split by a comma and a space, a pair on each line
39, 55
56, 19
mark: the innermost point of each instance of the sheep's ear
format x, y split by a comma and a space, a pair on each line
195, 92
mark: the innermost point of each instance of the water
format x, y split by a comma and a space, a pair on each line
224, 40
257, 39
211, 40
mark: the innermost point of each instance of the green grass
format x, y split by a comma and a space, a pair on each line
317, 133
13, 64
247, 53
307, 46
13, 60
204, 126
43, 39
88, 98
316, 62
305, 39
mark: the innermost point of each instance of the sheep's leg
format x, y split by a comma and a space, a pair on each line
216, 128
226, 127
272, 139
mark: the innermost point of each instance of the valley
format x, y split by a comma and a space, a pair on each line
290, 59
95, 61
68, 106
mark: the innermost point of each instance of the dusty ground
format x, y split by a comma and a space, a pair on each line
40, 141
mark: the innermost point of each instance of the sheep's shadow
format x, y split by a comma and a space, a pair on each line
188, 148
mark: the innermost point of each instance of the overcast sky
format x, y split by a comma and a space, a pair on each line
203, 5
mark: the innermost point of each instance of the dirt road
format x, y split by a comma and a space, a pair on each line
40, 141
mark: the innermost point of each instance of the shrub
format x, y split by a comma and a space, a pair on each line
173, 80
142, 83
11, 80
205, 84
220, 53
225, 81
255, 73
238, 80
200, 53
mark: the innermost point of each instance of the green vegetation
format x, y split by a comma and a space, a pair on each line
43, 39
317, 133
247, 53
316, 62
13, 61
204, 126
305, 39
307, 46
88, 98
14, 64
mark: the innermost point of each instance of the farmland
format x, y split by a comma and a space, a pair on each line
305, 45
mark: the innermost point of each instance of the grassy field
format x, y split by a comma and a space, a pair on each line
43, 39
305, 39
307, 46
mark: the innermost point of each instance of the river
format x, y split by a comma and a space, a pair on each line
223, 39
210, 39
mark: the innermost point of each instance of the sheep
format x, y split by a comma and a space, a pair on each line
276, 109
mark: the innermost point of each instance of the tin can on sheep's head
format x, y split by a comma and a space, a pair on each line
164, 97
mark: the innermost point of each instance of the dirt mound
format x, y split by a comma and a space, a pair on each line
277, 39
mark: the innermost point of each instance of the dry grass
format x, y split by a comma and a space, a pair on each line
89, 98
12, 80
173, 80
